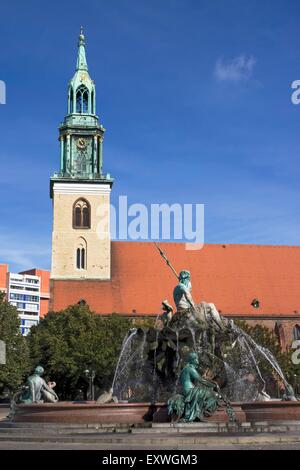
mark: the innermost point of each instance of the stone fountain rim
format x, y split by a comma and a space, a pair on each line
91, 404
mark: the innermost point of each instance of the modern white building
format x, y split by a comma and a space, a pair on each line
24, 292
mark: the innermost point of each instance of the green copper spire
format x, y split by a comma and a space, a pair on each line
81, 133
82, 92
81, 58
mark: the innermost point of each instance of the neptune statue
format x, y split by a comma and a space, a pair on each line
204, 312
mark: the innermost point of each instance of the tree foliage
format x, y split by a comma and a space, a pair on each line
68, 342
13, 373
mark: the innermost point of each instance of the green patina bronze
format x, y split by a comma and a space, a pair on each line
199, 398
37, 390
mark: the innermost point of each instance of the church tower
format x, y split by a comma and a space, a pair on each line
81, 191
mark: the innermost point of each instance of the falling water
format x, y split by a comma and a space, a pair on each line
263, 351
177, 349
141, 360
154, 375
126, 341
268, 356
143, 347
177, 361
154, 361
157, 317
192, 331
242, 341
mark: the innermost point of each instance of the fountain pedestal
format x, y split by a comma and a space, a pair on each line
219, 416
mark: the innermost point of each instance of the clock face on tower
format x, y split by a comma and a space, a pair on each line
81, 143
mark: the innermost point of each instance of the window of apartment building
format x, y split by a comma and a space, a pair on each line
29, 298
32, 281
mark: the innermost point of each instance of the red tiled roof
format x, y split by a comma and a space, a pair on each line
230, 276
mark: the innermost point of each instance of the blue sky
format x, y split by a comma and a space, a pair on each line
195, 96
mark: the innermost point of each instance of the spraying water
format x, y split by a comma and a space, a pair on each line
126, 342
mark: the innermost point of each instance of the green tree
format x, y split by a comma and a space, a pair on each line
145, 322
68, 342
12, 374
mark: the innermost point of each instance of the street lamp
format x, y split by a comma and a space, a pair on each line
295, 383
91, 374
2, 352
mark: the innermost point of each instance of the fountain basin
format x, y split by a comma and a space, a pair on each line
272, 411
134, 413
85, 412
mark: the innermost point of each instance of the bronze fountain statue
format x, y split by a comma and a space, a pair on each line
199, 398
37, 390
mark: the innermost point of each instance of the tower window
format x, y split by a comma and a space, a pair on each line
81, 214
82, 99
92, 102
71, 101
78, 263
85, 216
81, 254
80, 258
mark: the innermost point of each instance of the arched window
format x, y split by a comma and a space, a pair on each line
82, 99
92, 102
81, 254
81, 214
80, 258
296, 332
71, 101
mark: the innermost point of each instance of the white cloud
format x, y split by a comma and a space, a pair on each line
235, 70
23, 251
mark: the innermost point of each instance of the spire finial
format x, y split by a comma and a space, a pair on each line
81, 36
81, 59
